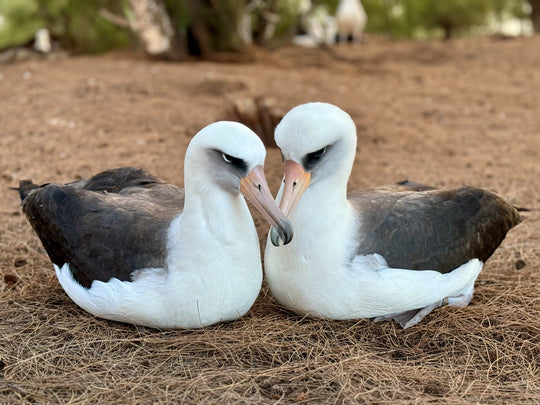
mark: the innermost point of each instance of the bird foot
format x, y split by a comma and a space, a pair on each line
460, 301
410, 318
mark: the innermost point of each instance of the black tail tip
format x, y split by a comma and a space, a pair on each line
25, 187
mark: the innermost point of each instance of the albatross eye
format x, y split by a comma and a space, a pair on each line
234, 161
317, 154
311, 159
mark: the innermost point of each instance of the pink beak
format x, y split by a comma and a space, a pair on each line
255, 189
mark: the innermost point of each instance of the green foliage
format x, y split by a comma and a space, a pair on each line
451, 16
14, 29
79, 27
289, 15
389, 17
75, 23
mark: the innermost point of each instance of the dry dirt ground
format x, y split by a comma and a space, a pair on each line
446, 114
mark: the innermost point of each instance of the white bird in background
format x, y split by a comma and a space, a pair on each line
128, 247
42, 41
389, 252
351, 20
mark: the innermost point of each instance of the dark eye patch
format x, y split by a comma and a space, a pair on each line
237, 163
234, 161
311, 160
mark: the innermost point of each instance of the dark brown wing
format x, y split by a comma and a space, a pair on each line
432, 229
107, 226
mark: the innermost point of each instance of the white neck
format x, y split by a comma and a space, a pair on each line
322, 215
213, 221
217, 214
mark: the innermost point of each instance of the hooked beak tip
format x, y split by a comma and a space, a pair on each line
284, 235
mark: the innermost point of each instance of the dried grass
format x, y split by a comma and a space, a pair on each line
51, 351
54, 352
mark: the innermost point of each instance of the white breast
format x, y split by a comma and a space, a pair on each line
320, 249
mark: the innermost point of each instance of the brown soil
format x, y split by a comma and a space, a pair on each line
446, 114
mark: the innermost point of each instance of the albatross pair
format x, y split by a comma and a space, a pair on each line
124, 250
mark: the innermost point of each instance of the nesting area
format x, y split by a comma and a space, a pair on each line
448, 113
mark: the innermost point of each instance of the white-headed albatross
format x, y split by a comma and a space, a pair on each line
360, 255
128, 247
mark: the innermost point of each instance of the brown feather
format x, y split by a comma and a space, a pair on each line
107, 226
431, 229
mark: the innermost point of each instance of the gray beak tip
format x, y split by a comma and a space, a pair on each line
281, 236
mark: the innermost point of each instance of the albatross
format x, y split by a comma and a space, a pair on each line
128, 247
384, 253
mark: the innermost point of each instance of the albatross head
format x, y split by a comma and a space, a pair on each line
231, 156
318, 143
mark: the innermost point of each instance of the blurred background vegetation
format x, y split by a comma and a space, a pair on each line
205, 26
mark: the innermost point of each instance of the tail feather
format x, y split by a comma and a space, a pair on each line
25, 188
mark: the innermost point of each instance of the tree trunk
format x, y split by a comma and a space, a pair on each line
153, 26
448, 29
535, 14
199, 27
217, 25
